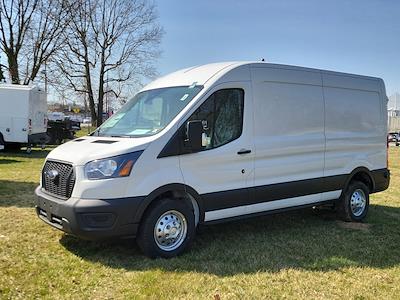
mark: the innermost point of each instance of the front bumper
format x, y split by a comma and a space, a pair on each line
91, 219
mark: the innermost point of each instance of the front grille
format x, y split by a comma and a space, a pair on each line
63, 184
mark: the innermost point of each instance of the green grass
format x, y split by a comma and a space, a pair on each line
85, 131
304, 254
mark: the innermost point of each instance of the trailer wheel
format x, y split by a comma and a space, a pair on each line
167, 229
354, 203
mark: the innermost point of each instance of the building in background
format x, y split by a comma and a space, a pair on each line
394, 113
394, 105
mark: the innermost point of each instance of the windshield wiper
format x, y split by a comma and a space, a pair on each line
121, 135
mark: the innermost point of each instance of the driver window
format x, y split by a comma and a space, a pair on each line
222, 117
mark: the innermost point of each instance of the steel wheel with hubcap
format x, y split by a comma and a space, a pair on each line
170, 230
358, 202
354, 203
167, 228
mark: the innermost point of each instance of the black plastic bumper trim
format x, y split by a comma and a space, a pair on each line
70, 215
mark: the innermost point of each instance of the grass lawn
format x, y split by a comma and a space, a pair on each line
304, 254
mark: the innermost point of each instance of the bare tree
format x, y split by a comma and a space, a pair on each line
30, 33
1, 73
109, 43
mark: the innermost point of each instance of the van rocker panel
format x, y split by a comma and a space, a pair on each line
233, 199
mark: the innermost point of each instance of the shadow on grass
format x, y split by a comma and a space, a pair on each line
8, 161
36, 153
300, 240
19, 194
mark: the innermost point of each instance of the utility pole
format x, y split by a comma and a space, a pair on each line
44, 72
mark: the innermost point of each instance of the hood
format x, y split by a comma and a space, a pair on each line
88, 148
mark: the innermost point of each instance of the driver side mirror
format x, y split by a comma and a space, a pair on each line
194, 134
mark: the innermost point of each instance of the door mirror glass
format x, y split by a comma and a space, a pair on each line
194, 135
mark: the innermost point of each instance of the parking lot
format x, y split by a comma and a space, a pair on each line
305, 254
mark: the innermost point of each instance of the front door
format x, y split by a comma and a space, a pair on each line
223, 171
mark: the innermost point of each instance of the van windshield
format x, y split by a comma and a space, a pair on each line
148, 112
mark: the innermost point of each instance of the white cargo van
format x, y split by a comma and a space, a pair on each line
218, 142
23, 120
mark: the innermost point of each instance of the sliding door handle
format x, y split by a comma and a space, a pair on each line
244, 151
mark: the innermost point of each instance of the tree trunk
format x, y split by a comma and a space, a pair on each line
100, 112
101, 86
100, 102
89, 89
13, 68
93, 114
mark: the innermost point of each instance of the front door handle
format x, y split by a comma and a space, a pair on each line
244, 151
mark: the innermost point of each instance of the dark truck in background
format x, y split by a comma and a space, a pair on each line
394, 137
61, 128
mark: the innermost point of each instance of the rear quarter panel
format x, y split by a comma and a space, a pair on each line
355, 125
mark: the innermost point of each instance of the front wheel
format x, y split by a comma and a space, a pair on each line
167, 229
354, 203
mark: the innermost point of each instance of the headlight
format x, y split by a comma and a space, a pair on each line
117, 166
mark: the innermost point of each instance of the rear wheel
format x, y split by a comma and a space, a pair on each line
354, 203
167, 229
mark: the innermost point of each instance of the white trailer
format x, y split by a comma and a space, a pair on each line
23, 116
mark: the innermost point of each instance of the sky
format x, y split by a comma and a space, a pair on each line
361, 37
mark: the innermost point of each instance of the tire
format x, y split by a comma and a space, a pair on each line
168, 217
354, 204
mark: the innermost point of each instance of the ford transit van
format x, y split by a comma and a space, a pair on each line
218, 142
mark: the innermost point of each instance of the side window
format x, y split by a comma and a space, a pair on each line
222, 117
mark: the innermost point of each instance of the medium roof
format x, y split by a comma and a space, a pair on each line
203, 73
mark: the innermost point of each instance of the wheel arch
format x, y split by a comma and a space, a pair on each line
174, 190
362, 174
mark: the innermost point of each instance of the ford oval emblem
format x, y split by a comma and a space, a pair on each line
52, 174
